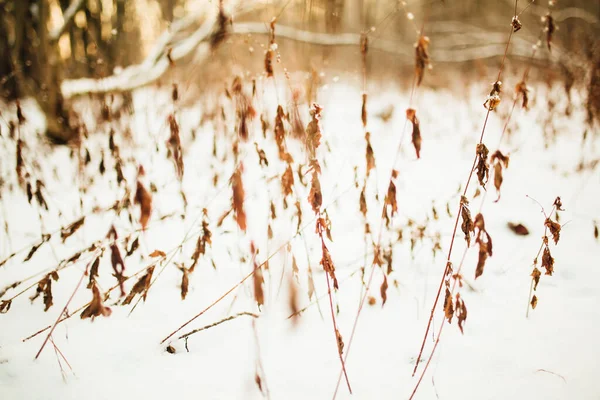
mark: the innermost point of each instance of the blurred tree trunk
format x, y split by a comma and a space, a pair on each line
8, 83
50, 97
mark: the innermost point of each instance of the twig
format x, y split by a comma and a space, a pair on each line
63, 312
231, 317
68, 16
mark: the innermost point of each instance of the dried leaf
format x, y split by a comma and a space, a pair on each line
157, 253
96, 307
174, 145
467, 225
461, 312
383, 290
238, 198
340, 342
144, 199
554, 228
259, 280
448, 306
534, 301
313, 130
315, 197
536, 274
5, 306
327, 264
141, 286
518, 229
516, 23
185, 282
421, 58
411, 115
369, 154
94, 272
549, 28
482, 167
547, 261
363, 113
522, 90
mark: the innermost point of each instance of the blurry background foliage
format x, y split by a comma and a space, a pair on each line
39, 50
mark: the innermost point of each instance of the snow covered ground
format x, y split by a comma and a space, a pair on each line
552, 354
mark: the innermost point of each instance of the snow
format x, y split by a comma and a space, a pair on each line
551, 354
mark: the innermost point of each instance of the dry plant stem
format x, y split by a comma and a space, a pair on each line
437, 297
335, 328
63, 312
231, 317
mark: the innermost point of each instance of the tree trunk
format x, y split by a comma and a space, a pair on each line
50, 97
9, 89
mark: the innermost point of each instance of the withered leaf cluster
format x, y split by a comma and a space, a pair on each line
44, 287
484, 240
499, 161
96, 307
481, 166
411, 115
238, 197
493, 99
141, 286
421, 58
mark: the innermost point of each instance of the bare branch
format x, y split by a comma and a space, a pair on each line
68, 16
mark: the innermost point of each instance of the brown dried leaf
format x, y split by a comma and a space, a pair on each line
363, 113
259, 280
315, 197
383, 290
238, 198
549, 28
483, 255
96, 307
554, 228
461, 312
536, 274
141, 286
185, 282
340, 342
522, 90
158, 253
313, 130
287, 181
421, 58
5, 306
518, 229
118, 266
369, 154
144, 199
448, 306
547, 261
534, 301
327, 264
482, 167
467, 225
411, 115
94, 272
